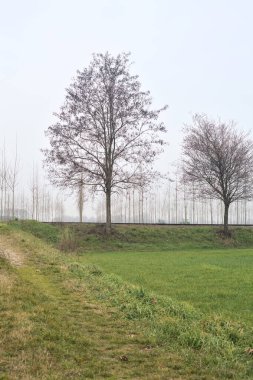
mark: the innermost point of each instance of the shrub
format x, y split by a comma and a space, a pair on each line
67, 241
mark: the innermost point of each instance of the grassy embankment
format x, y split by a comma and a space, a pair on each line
192, 264
64, 317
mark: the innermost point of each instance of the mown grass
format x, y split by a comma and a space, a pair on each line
79, 321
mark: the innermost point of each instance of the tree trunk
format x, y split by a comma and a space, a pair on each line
80, 203
80, 214
108, 226
13, 203
226, 207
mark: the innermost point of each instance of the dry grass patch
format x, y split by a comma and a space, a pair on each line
6, 283
22, 330
13, 254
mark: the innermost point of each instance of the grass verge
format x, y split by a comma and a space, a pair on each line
91, 238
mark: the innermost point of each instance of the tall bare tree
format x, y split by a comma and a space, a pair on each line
3, 176
219, 160
106, 129
12, 179
35, 193
80, 197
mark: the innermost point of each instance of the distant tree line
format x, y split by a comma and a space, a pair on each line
172, 203
35, 201
168, 200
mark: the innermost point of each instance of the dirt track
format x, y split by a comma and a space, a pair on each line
7, 253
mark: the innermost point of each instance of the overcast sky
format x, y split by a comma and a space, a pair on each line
194, 55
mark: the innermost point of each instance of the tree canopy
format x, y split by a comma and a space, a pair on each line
219, 159
106, 130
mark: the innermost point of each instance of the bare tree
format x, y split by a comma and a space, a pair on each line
80, 197
12, 179
219, 160
35, 193
58, 208
3, 186
105, 130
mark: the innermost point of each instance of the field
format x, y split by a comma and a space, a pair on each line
148, 303
213, 281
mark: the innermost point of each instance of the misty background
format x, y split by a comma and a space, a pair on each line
195, 56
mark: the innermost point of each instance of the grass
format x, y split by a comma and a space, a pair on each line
121, 313
194, 264
52, 327
211, 280
91, 238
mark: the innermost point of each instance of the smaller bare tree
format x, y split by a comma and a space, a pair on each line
219, 160
80, 196
12, 180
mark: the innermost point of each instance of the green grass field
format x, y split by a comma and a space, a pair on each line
212, 280
148, 303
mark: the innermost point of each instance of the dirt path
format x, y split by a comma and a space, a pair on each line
15, 258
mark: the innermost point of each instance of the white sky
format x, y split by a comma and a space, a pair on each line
194, 55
